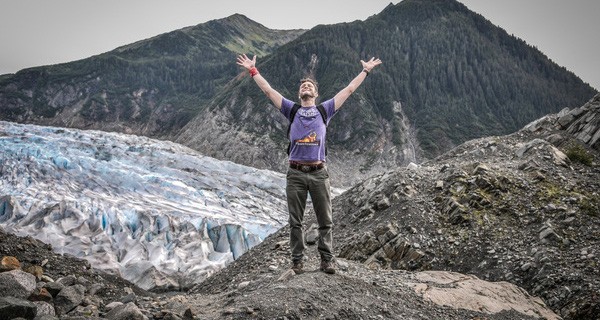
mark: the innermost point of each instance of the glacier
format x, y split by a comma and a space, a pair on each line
157, 213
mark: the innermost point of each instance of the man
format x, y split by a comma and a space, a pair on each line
307, 172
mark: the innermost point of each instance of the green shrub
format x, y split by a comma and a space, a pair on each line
577, 153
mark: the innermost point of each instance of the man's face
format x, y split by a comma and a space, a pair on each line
307, 90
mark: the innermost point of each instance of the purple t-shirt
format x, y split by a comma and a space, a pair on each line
308, 132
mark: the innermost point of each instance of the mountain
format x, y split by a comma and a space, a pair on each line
153, 212
152, 87
448, 75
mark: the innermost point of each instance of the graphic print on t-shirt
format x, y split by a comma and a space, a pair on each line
309, 112
309, 140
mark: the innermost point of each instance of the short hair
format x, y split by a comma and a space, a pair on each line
314, 82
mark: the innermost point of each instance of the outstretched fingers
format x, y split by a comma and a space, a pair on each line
375, 61
241, 59
244, 61
371, 63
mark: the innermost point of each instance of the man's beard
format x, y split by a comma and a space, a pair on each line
306, 96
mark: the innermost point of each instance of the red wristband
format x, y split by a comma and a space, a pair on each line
253, 71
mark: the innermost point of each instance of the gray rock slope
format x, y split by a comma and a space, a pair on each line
522, 208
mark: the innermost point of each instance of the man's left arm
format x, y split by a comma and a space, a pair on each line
341, 96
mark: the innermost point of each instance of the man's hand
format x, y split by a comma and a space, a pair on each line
245, 62
370, 64
271, 93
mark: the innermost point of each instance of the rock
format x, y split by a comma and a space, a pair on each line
44, 309
171, 316
16, 283
520, 153
69, 298
288, 274
40, 294
312, 235
382, 203
456, 212
230, 311
9, 263
481, 169
461, 291
559, 158
96, 288
37, 271
67, 281
565, 120
188, 314
87, 312
127, 311
412, 166
53, 288
548, 235
11, 308
113, 305
280, 245
396, 253
129, 298
342, 264
526, 266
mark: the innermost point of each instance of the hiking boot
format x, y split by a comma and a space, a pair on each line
328, 266
298, 267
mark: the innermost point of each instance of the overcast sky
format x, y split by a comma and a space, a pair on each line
41, 32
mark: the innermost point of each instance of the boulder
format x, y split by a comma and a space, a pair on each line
462, 291
16, 283
127, 311
11, 307
69, 298
44, 309
9, 263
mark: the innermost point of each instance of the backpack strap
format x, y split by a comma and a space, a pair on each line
323, 113
293, 112
324, 116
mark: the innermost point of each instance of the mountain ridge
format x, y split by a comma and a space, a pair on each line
448, 76
383, 119
130, 89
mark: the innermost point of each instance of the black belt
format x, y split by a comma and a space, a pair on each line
307, 167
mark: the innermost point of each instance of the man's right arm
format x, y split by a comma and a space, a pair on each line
271, 93
262, 83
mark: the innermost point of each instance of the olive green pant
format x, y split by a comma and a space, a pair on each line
299, 185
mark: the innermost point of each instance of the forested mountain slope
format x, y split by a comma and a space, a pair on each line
448, 75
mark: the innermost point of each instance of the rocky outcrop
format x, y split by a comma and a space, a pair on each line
67, 286
584, 123
468, 292
522, 208
260, 285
